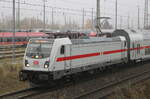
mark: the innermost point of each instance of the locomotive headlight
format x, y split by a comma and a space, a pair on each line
46, 65
27, 64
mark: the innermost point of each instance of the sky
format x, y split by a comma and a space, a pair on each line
72, 10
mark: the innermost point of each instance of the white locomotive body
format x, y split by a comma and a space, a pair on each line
53, 59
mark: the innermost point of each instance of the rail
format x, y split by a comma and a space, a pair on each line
108, 89
8, 53
17, 94
100, 92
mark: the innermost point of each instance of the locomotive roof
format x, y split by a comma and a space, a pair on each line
97, 39
83, 41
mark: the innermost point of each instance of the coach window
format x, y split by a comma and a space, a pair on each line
62, 50
147, 51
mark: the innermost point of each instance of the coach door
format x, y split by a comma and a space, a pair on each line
137, 51
124, 46
67, 54
133, 51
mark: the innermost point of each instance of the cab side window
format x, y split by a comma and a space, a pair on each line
125, 44
62, 50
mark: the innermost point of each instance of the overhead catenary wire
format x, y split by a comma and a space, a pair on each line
60, 8
59, 13
88, 10
67, 11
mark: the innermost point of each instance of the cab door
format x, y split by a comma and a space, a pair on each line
134, 51
123, 46
68, 56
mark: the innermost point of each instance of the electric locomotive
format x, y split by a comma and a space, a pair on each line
48, 60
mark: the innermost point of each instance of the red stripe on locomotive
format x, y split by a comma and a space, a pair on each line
96, 54
77, 57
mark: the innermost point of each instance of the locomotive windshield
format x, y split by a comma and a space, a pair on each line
39, 49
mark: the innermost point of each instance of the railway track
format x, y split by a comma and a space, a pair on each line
10, 56
102, 91
109, 88
8, 53
10, 46
30, 92
22, 94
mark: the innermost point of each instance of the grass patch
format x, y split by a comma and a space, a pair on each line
139, 91
9, 80
9, 60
